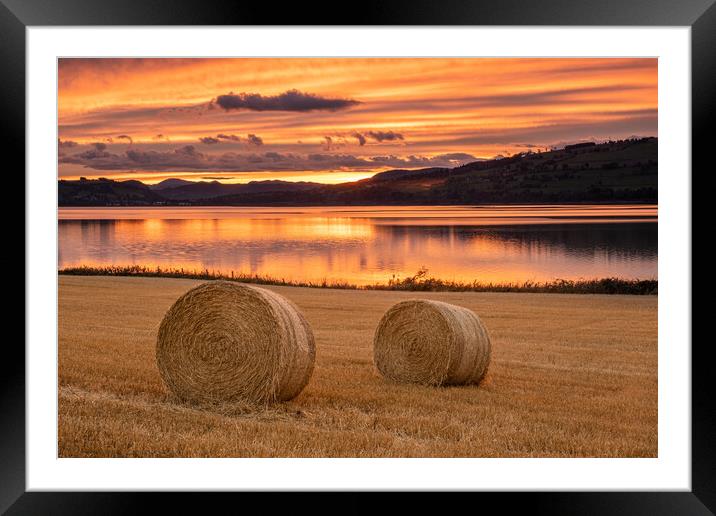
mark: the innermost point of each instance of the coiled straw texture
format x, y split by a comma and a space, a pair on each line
224, 342
431, 343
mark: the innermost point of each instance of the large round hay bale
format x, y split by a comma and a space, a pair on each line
431, 343
224, 342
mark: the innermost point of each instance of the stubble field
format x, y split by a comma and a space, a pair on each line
571, 376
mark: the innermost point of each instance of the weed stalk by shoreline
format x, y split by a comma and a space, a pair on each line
420, 282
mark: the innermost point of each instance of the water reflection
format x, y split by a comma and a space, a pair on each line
365, 245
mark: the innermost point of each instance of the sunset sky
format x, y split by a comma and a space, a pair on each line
334, 120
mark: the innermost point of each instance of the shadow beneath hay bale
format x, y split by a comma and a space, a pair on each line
243, 410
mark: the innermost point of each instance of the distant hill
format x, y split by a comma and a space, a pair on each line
105, 192
209, 190
404, 174
172, 182
620, 171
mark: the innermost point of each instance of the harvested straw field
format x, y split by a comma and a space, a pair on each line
570, 376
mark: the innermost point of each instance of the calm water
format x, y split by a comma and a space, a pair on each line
371, 244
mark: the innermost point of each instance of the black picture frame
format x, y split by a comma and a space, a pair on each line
700, 15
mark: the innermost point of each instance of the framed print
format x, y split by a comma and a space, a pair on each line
435, 250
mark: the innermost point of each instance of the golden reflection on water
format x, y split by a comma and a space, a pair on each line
194, 230
371, 244
526, 213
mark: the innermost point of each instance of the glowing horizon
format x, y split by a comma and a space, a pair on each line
333, 120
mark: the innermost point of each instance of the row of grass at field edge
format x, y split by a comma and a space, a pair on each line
420, 282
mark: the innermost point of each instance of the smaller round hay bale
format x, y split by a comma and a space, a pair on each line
431, 343
224, 342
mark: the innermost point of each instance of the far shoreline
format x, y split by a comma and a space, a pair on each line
420, 282
366, 205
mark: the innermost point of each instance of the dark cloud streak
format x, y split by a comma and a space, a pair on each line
384, 136
291, 100
66, 144
252, 139
231, 137
377, 136
361, 139
187, 158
